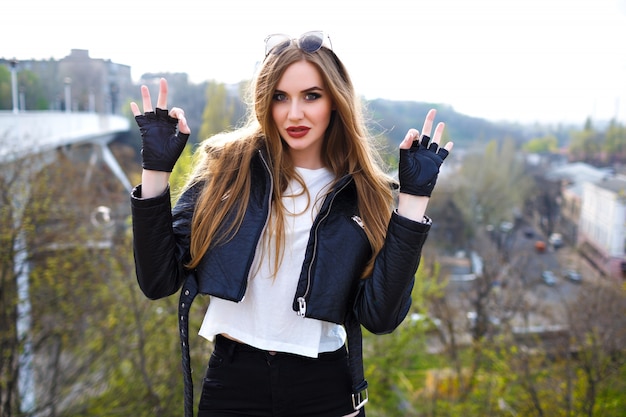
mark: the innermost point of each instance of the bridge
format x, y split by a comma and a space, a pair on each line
30, 133
37, 134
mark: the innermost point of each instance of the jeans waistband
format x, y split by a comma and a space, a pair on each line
224, 343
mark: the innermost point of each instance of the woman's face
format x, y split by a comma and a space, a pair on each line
301, 109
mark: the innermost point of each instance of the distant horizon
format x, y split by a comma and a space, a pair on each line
526, 61
136, 80
136, 77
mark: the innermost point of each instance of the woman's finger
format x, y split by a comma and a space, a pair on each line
147, 103
162, 99
410, 136
135, 109
439, 132
178, 113
428, 122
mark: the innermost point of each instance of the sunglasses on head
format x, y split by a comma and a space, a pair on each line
309, 42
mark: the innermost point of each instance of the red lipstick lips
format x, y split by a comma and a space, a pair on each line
297, 131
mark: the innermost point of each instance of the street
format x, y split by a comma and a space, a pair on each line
546, 305
518, 297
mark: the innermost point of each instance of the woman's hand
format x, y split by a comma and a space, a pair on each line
420, 159
161, 143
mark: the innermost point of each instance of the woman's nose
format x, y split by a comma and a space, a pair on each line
295, 111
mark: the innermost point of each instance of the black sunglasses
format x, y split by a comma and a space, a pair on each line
309, 42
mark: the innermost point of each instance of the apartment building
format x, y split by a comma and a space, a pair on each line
602, 225
79, 82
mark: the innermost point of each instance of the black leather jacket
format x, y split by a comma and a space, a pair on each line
329, 288
329, 285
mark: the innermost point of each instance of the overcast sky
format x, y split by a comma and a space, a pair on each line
516, 60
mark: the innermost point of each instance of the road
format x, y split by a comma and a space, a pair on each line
519, 298
547, 304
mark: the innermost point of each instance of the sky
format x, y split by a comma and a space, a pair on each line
545, 61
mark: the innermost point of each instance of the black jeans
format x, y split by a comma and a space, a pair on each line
245, 381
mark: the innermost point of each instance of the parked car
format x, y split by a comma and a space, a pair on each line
556, 240
573, 276
540, 246
549, 278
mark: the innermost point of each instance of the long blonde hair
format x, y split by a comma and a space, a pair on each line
224, 164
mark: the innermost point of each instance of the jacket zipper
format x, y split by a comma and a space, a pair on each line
302, 299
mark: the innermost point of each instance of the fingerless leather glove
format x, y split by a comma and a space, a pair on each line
419, 167
161, 143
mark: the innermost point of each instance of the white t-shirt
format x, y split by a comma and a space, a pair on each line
265, 317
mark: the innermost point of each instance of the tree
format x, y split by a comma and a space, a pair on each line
10, 224
219, 111
99, 347
30, 90
6, 98
615, 142
394, 363
586, 145
548, 143
492, 185
69, 227
599, 338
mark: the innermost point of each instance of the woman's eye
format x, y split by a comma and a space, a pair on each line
279, 97
312, 96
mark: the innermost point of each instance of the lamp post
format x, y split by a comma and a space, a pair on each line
13, 64
68, 94
22, 99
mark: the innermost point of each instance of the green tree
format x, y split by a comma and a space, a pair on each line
181, 172
6, 98
219, 111
615, 142
548, 143
492, 184
142, 339
100, 347
598, 335
395, 364
10, 346
30, 90
586, 145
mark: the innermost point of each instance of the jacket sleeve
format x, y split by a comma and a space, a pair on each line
161, 241
384, 298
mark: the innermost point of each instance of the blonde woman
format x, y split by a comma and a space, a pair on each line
289, 225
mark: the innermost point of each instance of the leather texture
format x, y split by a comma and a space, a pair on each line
419, 167
330, 279
161, 143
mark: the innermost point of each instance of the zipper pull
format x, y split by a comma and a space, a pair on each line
358, 221
302, 306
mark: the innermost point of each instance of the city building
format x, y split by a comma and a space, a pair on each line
78, 82
592, 214
572, 177
602, 226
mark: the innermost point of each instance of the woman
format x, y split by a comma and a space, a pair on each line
288, 224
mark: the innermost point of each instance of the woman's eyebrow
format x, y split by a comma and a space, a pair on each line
307, 90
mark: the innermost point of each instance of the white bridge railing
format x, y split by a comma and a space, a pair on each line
34, 132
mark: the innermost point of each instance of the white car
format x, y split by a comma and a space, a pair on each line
549, 278
556, 240
573, 276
